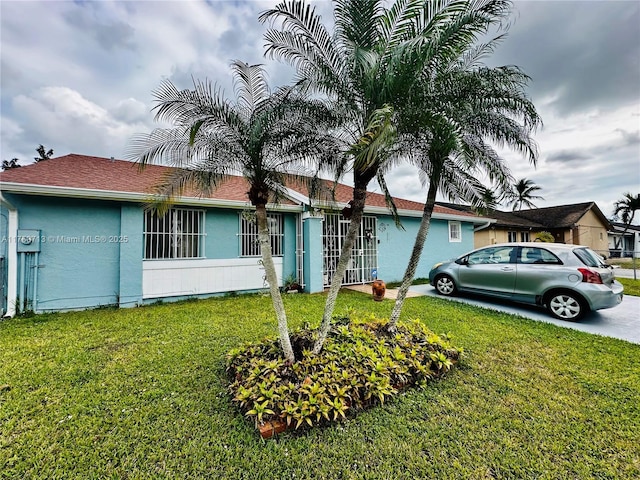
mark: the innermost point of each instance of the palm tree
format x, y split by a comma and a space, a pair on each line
368, 66
522, 194
263, 136
13, 163
487, 201
453, 133
43, 154
626, 208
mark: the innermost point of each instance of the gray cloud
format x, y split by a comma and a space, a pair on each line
109, 34
580, 54
629, 138
568, 156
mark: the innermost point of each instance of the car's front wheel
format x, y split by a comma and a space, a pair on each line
566, 306
445, 285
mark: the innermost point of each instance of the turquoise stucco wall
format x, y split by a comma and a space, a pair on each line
222, 233
92, 251
289, 247
313, 275
131, 251
79, 259
395, 245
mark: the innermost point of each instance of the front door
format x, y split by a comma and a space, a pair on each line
364, 254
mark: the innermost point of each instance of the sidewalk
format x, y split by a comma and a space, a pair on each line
389, 294
626, 273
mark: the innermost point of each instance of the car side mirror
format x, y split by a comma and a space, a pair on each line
463, 261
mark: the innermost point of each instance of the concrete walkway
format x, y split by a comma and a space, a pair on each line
389, 294
622, 322
626, 273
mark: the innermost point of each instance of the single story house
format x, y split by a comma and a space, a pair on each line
624, 240
578, 224
75, 234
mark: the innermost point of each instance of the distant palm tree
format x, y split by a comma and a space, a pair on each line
487, 201
13, 163
262, 136
522, 194
626, 208
43, 154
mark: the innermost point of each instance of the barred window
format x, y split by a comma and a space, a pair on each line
512, 236
179, 233
524, 237
249, 245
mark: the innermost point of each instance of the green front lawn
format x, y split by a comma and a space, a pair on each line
631, 286
141, 393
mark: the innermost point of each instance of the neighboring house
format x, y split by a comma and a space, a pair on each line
74, 233
624, 240
578, 224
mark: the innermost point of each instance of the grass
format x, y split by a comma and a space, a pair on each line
628, 263
631, 286
141, 393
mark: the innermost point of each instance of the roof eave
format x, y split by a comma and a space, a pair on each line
87, 193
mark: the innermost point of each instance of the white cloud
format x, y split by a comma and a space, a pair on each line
63, 119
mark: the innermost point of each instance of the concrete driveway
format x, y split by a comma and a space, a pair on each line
621, 322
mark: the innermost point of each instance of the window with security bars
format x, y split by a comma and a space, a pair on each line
179, 233
249, 245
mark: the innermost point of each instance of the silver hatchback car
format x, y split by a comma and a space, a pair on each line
568, 280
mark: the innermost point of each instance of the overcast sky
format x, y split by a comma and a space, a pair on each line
78, 77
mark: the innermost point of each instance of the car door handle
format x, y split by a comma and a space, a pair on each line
507, 269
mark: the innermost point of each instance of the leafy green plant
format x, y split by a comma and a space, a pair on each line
545, 237
361, 366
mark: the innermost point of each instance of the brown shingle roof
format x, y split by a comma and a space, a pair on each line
103, 174
97, 173
561, 216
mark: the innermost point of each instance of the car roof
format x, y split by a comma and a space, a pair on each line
549, 245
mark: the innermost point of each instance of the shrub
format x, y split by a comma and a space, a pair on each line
360, 366
545, 237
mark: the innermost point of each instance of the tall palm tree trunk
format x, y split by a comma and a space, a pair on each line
415, 256
357, 209
272, 281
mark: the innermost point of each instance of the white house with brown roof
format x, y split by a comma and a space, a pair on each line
75, 233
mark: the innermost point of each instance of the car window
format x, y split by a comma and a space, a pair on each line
491, 255
538, 256
589, 257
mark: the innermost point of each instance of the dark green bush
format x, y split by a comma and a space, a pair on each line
361, 365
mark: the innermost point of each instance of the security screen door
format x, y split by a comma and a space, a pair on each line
363, 264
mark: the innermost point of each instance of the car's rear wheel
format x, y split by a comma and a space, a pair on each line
445, 285
566, 306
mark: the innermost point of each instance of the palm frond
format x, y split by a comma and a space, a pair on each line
250, 86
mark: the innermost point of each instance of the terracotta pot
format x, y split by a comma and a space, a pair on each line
271, 428
378, 288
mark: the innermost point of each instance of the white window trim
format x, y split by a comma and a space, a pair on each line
453, 238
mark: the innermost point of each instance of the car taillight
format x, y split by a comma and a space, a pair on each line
590, 276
